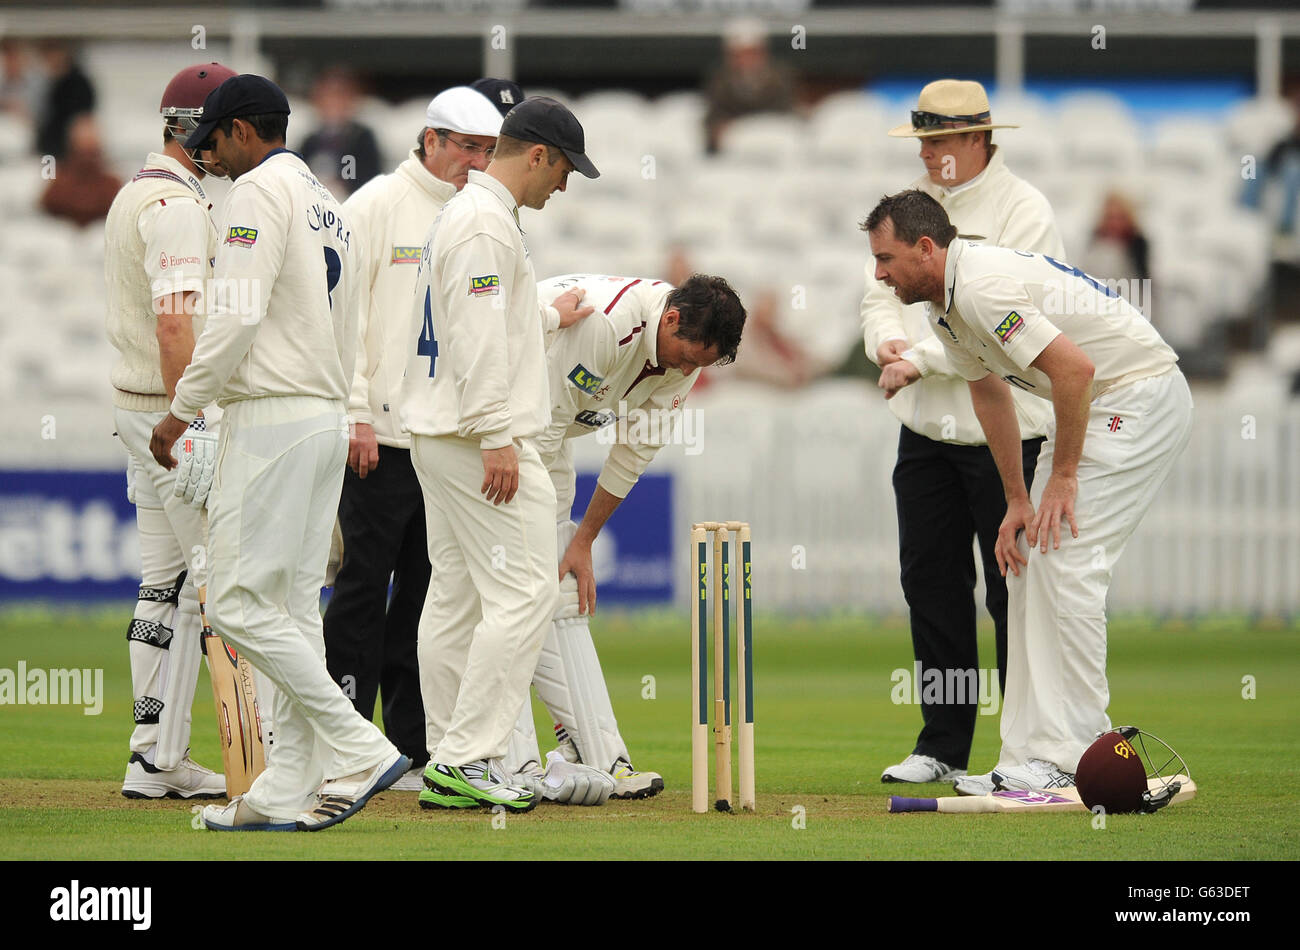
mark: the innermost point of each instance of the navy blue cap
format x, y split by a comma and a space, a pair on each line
542, 119
236, 98
503, 93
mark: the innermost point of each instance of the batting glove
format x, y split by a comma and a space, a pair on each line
197, 452
571, 783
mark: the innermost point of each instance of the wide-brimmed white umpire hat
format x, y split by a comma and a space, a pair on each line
464, 110
949, 106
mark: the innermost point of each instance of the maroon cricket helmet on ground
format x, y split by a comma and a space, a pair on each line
1116, 773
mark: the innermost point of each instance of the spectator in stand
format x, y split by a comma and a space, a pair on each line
68, 95
747, 82
1281, 168
1118, 250
82, 189
342, 152
20, 83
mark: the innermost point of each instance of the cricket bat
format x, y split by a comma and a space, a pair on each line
1023, 802
239, 726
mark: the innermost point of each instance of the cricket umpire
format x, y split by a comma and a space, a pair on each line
946, 486
158, 239
369, 638
277, 355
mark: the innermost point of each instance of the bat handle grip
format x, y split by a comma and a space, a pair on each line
898, 803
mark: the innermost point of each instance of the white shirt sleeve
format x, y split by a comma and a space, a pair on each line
250, 254
474, 328
363, 245
175, 238
627, 461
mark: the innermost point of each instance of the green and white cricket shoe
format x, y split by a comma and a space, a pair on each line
483, 781
431, 799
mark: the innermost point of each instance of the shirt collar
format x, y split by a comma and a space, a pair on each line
167, 163
650, 341
414, 169
995, 163
484, 180
281, 151
950, 273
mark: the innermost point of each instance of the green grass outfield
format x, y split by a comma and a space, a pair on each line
825, 728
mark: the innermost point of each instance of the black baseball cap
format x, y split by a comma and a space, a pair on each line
237, 97
505, 95
542, 119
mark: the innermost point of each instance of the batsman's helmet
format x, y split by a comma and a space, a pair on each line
1117, 772
182, 100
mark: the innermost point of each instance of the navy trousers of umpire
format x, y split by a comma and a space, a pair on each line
948, 494
369, 637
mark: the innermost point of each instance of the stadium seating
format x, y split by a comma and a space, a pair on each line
776, 210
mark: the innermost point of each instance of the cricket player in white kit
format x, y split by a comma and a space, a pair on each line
630, 365
475, 399
277, 355
159, 240
1122, 417
370, 637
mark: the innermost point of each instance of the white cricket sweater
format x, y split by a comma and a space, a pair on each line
605, 369
390, 216
476, 356
282, 314
158, 240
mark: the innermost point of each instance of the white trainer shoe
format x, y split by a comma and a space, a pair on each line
238, 816
629, 783
340, 798
975, 784
412, 781
1035, 776
920, 768
187, 780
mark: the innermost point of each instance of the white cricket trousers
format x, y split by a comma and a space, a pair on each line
272, 510
1057, 691
491, 596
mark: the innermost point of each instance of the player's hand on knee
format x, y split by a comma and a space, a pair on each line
1019, 517
197, 449
577, 561
569, 307
363, 449
500, 474
1057, 504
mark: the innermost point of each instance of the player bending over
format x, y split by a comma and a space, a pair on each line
640, 352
